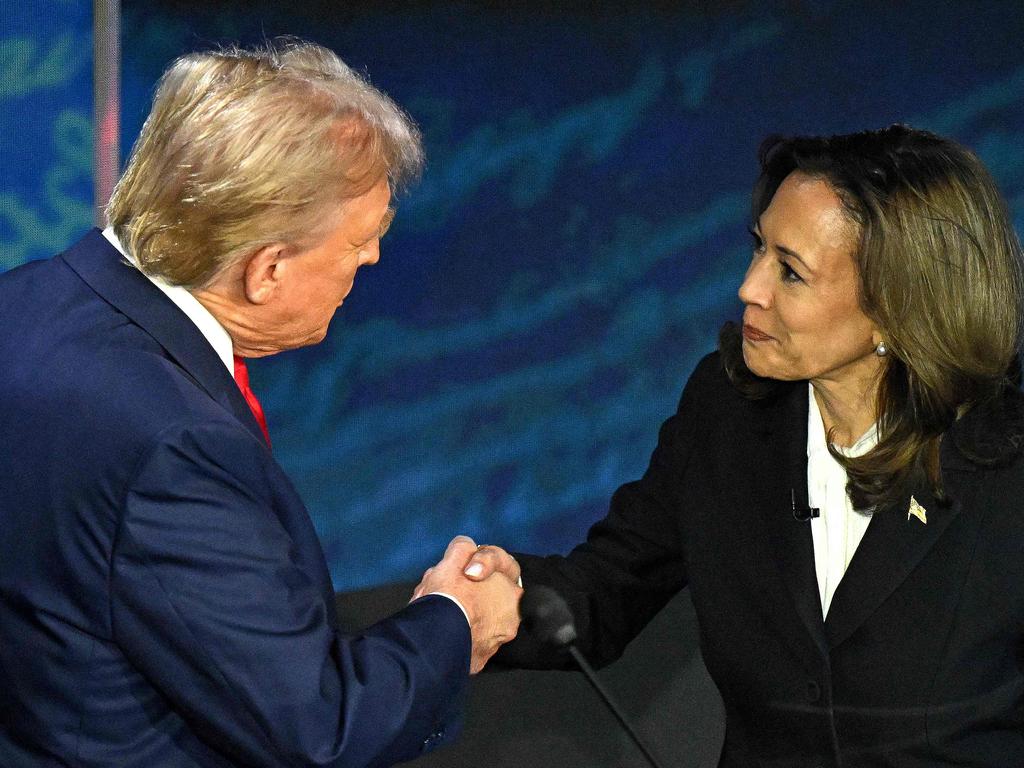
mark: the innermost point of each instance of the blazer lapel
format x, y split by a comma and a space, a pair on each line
790, 538
105, 270
894, 543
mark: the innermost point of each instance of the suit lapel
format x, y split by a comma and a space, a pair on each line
894, 543
786, 445
105, 270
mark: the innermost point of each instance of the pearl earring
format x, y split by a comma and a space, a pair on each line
881, 350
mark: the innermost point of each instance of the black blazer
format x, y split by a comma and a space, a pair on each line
920, 661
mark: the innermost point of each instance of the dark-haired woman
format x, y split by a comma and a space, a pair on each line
871, 393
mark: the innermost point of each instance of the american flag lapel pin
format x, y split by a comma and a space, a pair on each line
916, 510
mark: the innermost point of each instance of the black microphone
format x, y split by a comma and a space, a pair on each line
802, 514
547, 617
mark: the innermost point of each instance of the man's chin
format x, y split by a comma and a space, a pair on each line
315, 337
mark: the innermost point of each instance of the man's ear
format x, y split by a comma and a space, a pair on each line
264, 271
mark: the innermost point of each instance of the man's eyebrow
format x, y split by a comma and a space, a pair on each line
385, 222
382, 228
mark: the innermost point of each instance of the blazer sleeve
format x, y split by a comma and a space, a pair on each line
632, 561
215, 604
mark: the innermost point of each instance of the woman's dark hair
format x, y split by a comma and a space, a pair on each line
940, 273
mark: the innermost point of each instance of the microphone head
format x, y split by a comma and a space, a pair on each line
546, 616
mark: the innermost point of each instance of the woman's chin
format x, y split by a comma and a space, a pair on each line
757, 365
752, 359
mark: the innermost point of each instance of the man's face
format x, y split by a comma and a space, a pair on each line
317, 280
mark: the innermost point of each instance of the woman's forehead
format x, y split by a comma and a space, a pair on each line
808, 217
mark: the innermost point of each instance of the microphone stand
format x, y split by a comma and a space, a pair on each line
588, 672
546, 615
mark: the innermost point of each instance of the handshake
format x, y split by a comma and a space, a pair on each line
485, 580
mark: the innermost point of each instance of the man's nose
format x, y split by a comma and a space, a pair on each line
371, 254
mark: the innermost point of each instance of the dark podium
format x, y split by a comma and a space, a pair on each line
527, 719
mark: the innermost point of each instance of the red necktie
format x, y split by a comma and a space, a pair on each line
242, 380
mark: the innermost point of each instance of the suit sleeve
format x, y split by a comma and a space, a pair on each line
632, 561
213, 602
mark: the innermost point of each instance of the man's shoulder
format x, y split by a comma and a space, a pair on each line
91, 244
96, 380
24, 277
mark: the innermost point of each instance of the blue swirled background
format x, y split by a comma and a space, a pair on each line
574, 245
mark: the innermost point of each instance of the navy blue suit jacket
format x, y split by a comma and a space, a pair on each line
164, 600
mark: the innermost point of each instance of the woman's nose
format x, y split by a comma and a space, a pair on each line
756, 287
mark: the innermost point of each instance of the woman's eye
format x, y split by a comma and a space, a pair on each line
789, 275
758, 243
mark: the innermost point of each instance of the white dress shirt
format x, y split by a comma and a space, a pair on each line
839, 529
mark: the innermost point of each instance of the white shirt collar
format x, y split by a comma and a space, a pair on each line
207, 324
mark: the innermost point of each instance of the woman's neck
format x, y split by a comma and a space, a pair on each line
848, 405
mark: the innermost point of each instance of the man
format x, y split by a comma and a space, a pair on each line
163, 597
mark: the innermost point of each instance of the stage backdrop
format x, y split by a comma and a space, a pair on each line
573, 248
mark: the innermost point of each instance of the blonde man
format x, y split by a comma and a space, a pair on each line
163, 596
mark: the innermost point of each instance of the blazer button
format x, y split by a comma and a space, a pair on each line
813, 691
433, 740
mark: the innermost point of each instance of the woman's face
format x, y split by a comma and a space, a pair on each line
802, 317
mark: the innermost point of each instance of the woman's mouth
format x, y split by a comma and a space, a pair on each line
750, 333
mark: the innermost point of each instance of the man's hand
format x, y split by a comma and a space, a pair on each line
492, 603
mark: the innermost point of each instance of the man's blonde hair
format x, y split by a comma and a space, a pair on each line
246, 147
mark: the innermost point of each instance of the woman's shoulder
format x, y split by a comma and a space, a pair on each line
714, 387
709, 380
709, 368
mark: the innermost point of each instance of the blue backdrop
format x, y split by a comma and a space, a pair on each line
573, 248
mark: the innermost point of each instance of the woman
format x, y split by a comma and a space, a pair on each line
842, 486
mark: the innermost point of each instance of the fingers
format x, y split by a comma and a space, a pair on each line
491, 604
490, 559
458, 545
463, 559
455, 555
496, 621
